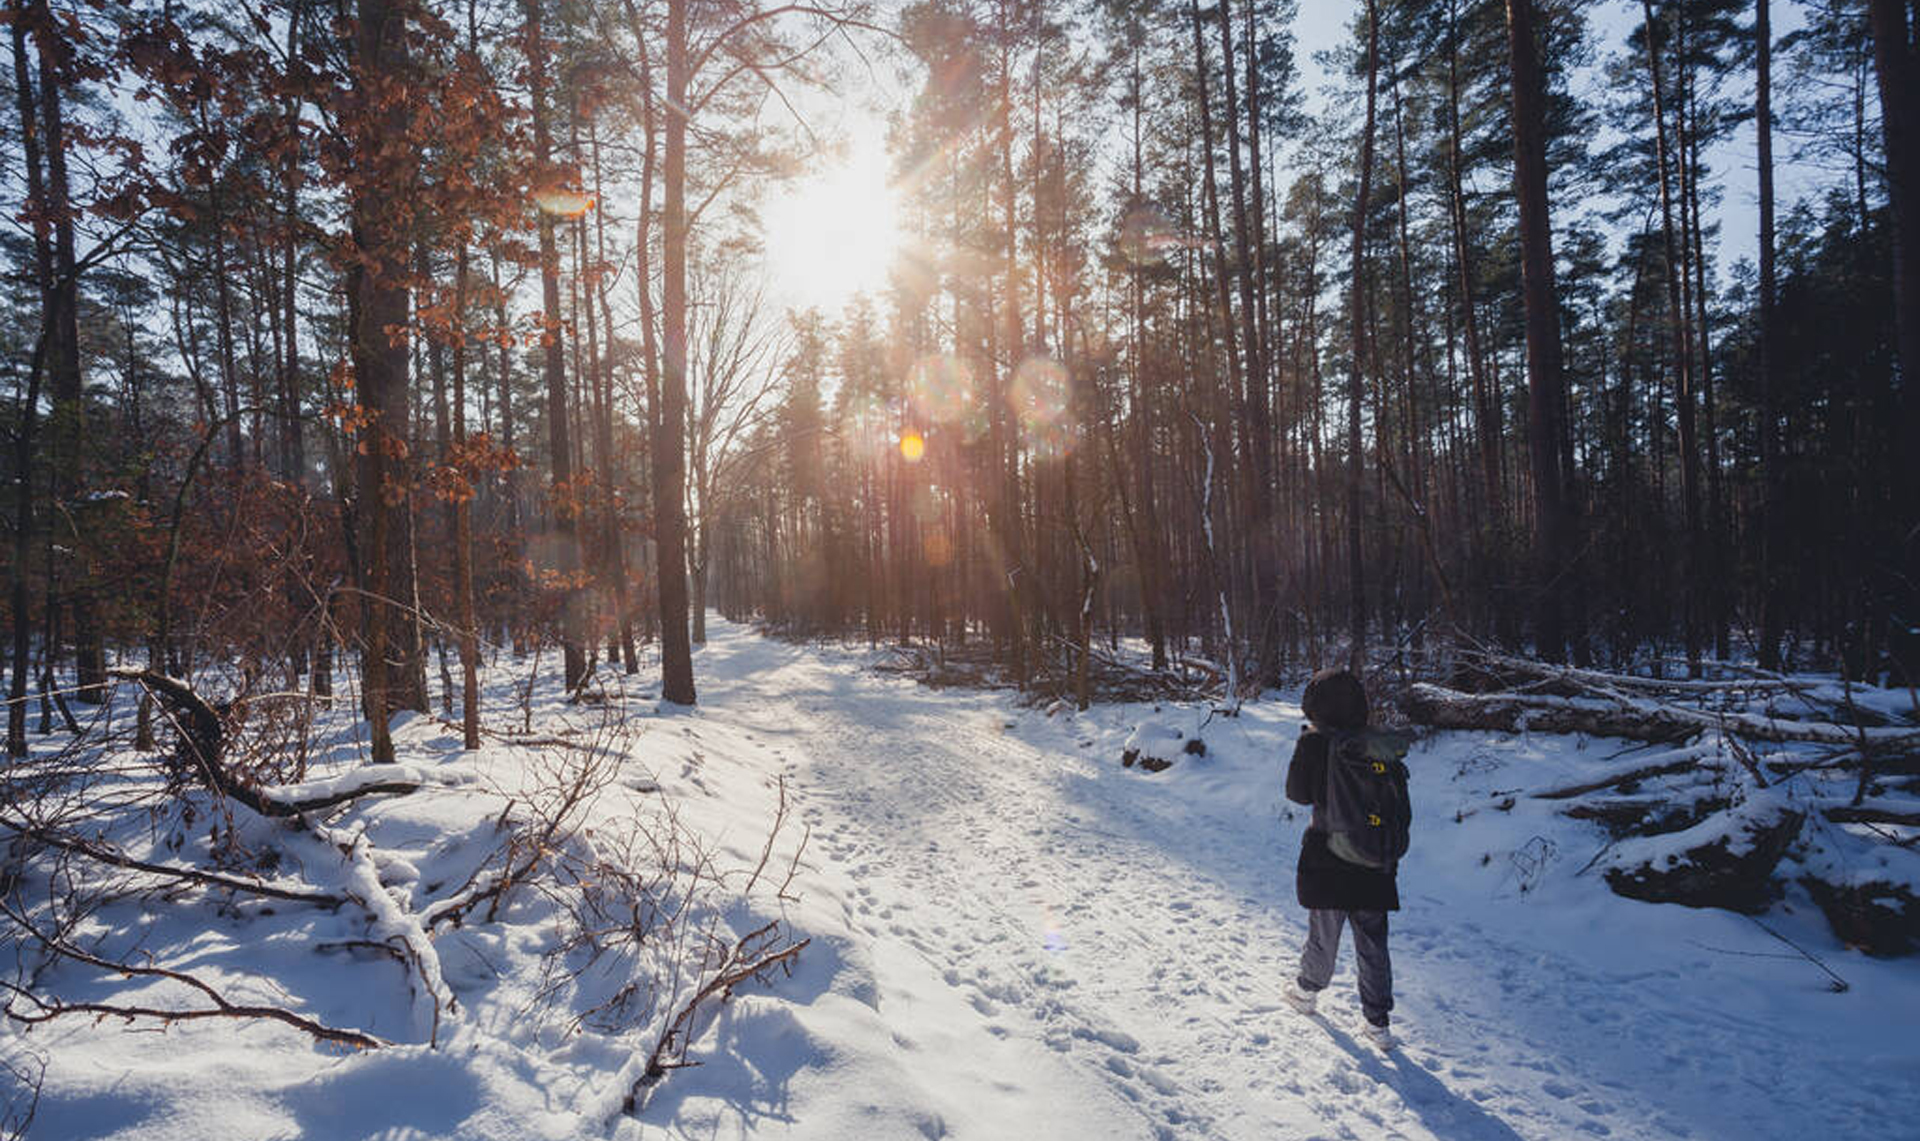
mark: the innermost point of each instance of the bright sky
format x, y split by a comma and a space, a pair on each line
832, 232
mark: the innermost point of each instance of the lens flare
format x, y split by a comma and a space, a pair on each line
912, 447
1052, 441
940, 388
1147, 236
562, 202
1041, 400
1051, 937
1039, 394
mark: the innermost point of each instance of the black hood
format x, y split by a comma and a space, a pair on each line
1335, 699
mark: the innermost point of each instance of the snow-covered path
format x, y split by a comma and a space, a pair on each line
1059, 943
1010, 937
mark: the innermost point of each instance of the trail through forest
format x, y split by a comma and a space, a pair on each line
998, 932
1016, 890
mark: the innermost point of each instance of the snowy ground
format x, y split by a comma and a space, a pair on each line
1015, 937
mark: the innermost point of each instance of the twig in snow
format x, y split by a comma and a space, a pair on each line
1838, 985
105, 855
748, 959
46, 1009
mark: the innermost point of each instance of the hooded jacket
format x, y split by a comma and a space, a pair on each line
1334, 700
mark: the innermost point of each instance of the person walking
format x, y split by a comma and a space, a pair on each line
1349, 857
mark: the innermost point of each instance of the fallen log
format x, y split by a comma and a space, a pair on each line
1635, 720
1878, 917
1596, 678
1725, 861
203, 745
1677, 761
1846, 814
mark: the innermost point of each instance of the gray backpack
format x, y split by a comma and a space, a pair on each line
1365, 811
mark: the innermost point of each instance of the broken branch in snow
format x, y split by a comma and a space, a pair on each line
748, 959
101, 853
1634, 776
1635, 719
47, 1009
1848, 814
1587, 679
1838, 985
203, 748
394, 924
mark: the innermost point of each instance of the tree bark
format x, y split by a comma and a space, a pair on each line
463, 518
378, 346
1265, 633
1356, 383
1682, 359
1770, 537
565, 505
1546, 386
1897, 63
669, 431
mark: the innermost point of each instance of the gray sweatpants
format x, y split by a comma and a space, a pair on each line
1369, 949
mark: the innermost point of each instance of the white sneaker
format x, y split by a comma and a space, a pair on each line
1303, 1001
1380, 1037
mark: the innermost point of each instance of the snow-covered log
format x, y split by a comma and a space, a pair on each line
1878, 916
1726, 860
1635, 719
203, 745
1155, 744
1592, 679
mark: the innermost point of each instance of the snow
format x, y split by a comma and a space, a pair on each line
346, 783
1011, 936
1162, 738
1732, 830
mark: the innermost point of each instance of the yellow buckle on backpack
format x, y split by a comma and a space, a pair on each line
1373, 820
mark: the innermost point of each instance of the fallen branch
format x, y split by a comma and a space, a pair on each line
1639, 774
478, 890
203, 747
1838, 985
1847, 814
1640, 721
49, 1009
393, 922
748, 959
102, 854
1585, 678
370, 780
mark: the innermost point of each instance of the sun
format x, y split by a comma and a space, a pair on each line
834, 232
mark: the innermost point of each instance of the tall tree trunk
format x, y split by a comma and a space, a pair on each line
1682, 357
60, 296
1486, 401
1546, 387
1770, 536
565, 497
379, 357
293, 439
1005, 443
18, 592
616, 547
463, 517
1265, 631
1356, 382
1713, 581
1897, 61
669, 431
